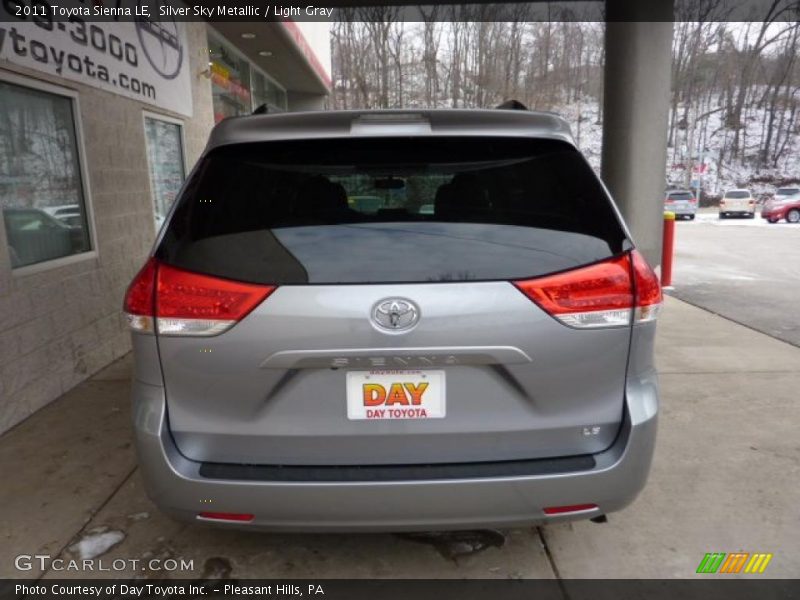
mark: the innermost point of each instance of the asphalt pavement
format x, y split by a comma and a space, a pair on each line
746, 270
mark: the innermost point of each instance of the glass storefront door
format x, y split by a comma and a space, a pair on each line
165, 163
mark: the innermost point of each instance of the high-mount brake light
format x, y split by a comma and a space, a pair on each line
612, 293
173, 301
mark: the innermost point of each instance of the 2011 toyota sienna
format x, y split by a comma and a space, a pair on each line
308, 363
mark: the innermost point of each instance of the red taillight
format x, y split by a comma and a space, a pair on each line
187, 303
601, 286
139, 297
222, 516
600, 295
648, 288
139, 305
560, 510
187, 295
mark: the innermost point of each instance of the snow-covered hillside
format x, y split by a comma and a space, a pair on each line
583, 119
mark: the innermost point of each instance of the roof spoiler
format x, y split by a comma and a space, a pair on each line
511, 105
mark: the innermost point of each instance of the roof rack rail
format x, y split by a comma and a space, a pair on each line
511, 105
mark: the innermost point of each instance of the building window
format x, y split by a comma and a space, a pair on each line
165, 162
237, 85
265, 91
230, 81
41, 188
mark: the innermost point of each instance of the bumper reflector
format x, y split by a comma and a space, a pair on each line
221, 516
560, 510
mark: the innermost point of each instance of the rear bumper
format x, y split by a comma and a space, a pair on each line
175, 484
682, 211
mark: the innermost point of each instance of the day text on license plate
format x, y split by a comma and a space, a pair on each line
395, 394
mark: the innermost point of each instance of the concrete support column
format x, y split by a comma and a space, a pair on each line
299, 101
636, 107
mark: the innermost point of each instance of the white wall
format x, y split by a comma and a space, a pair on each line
318, 36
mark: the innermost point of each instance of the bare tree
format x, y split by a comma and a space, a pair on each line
724, 75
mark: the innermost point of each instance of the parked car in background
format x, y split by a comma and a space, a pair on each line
737, 202
313, 364
34, 236
682, 203
70, 214
784, 205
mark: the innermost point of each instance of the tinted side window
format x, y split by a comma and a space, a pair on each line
391, 210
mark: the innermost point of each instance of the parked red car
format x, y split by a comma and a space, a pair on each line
784, 205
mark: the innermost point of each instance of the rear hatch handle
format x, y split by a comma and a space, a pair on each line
396, 358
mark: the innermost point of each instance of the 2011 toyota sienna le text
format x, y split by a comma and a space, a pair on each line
309, 361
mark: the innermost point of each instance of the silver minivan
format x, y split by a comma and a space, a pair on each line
305, 365
682, 203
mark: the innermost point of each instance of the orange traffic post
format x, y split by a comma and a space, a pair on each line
667, 248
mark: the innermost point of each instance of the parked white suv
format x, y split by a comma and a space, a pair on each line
737, 202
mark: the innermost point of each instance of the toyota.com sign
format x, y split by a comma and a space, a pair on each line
143, 57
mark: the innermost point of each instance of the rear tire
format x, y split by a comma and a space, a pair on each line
793, 216
691, 217
722, 215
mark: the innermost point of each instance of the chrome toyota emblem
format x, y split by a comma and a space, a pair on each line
395, 314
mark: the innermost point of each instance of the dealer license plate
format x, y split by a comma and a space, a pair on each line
395, 394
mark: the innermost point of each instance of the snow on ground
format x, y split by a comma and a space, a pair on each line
712, 218
95, 544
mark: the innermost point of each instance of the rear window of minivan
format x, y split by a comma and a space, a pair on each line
384, 210
737, 195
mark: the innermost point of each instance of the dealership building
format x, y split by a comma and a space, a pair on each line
99, 125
